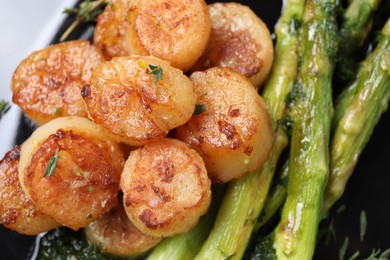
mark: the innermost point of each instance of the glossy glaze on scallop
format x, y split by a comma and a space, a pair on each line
233, 135
17, 211
176, 31
134, 105
115, 235
240, 40
85, 181
165, 187
47, 84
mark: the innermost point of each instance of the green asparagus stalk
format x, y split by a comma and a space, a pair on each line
355, 26
186, 246
356, 23
245, 197
275, 199
311, 112
183, 246
354, 129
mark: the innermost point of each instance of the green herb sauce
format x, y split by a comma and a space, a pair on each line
63, 243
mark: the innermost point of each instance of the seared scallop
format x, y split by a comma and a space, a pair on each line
115, 235
176, 31
240, 40
17, 211
71, 170
47, 84
233, 135
165, 187
137, 99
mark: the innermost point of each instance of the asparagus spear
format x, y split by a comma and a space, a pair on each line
355, 26
356, 23
187, 245
245, 197
354, 129
275, 199
183, 246
311, 113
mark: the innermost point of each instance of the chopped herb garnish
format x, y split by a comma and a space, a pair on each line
377, 255
51, 166
386, 254
90, 189
89, 215
4, 107
199, 109
87, 12
341, 209
157, 71
343, 248
327, 233
287, 123
374, 254
354, 256
295, 24
331, 234
57, 111
363, 224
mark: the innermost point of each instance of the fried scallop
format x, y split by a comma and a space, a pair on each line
47, 84
165, 188
176, 31
115, 235
71, 171
137, 99
17, 211
233, 135
240, 40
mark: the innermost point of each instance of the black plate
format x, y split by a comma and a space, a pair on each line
367, 190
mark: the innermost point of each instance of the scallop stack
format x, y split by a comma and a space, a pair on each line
136, 127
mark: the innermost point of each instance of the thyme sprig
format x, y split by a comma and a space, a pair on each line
199, 109
4, 107
363, 225
377, 254
157, 71
51, 166
87, 12
343, 248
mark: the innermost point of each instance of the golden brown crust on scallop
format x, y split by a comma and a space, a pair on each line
233, 135
240, 40
126, 100
113, 30
47, 84
166, 188
17, 211
176, 31
85, 182
114, 234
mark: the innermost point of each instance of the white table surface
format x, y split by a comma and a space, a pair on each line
25, 26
